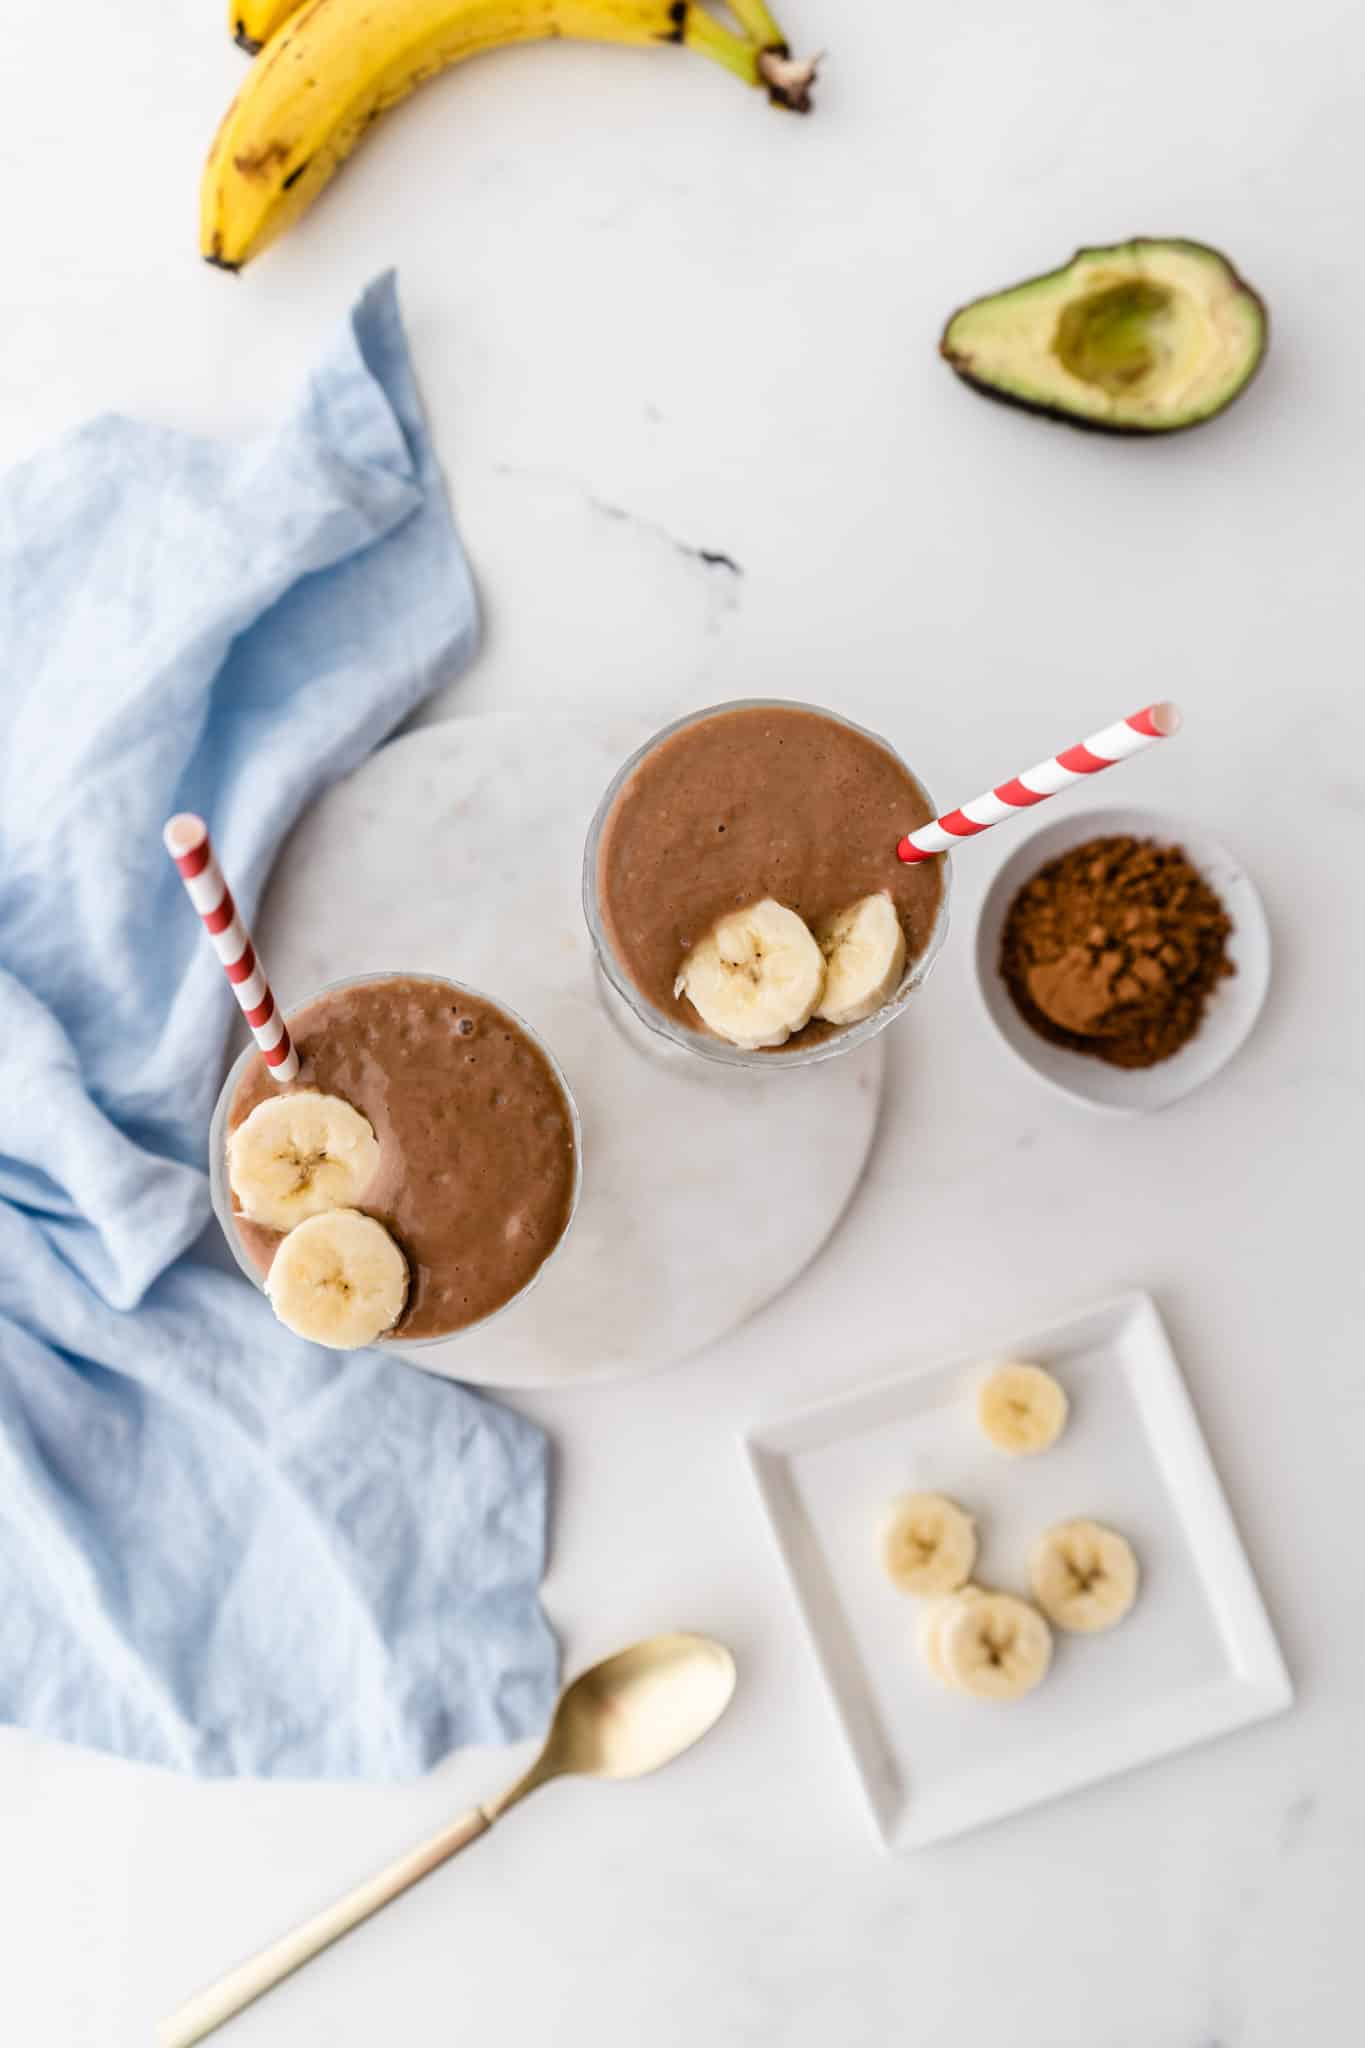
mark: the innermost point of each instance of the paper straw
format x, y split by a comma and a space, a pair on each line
1101, 750
187, 843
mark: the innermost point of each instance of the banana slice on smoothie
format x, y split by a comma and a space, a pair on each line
756, 978
929, 1544
1022, 1409
864, 949
299, 1155
338, 1279
995, 1647
1084, 1576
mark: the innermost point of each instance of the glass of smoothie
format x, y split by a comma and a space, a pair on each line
420, 1172
743, 891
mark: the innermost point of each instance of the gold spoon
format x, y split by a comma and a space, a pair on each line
630, 1714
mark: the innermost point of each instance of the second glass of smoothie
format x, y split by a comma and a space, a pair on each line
474, 1158
766, 802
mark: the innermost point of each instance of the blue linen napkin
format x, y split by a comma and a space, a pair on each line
221, 1549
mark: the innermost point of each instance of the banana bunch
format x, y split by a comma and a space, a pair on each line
326, 72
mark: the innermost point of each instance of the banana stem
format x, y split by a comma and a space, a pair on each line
701, 32
758, 24
787, 79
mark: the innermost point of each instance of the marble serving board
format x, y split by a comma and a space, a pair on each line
458, 850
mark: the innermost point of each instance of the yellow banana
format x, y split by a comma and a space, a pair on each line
252, 23
337, 65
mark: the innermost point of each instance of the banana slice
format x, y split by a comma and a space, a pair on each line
299, 1155
935, 1615
994, 1647
756, 978
864, 949
929, 1545
338, 1279
1084, 1576
1022, 1409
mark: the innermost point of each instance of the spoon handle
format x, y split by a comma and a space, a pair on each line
210, 2008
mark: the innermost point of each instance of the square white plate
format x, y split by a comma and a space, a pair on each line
1195, 1658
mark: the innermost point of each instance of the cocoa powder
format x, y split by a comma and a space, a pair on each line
1114, 949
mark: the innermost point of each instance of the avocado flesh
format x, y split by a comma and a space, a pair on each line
1143, 337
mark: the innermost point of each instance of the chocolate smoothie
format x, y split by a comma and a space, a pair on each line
476, 1173
755, 802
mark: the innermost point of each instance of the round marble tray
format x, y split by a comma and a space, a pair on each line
457, 850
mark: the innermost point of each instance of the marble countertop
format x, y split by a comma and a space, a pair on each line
659, 325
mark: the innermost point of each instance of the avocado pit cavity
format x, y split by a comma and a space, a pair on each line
1113, 338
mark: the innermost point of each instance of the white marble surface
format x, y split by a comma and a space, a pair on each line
630, 288
458, 850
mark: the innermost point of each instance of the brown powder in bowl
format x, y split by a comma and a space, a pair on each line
1114, 949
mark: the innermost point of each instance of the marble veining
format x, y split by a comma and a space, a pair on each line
722, 590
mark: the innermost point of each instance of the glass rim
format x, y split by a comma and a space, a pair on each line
773, 1059
220, 1190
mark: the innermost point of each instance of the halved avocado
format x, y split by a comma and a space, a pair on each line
1144, 337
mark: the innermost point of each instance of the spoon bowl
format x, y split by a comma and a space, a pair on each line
640, 1709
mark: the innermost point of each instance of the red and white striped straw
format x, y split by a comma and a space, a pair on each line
1101, 750
187, 843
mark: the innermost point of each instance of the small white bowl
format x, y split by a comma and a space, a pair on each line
1233, 1007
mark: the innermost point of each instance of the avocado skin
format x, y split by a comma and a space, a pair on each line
1111, 429
1115, 430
